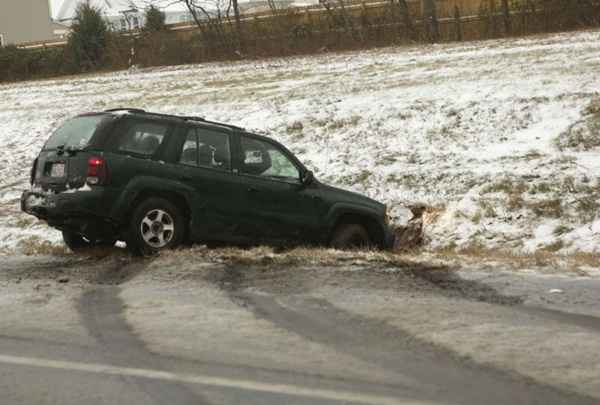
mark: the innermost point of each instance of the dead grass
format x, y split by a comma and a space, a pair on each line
547, 208
474, 256
515, 201
487, 209
506, 185
543, 258
296, 126
553, 247
356, 178
301, 256
540, 188
343, 123
25, 221
588, 207
561, 230
583, 135
34, 245
532, 155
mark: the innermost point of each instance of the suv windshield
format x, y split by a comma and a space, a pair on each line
75, 133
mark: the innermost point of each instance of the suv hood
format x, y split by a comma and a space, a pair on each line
334, 194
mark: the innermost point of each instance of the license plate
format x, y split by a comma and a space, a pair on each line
57, 170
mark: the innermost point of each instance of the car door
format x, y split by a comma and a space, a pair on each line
204, 162
278, 207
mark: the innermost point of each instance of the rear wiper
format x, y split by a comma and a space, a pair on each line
60, 149
72, 149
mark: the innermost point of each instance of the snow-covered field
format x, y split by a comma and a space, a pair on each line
501, 138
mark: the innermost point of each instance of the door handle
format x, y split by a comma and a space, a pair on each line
185, 178
252, 190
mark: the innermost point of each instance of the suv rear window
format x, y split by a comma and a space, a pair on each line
75, 133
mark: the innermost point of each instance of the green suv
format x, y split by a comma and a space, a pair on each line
156, 181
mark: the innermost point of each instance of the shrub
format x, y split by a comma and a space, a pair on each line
155, 20
88, 39
21, 64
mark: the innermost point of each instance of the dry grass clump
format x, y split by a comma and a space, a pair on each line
588, 207
505, 185
356, 178
34, 245
553, 247
542, 187
583, 135
513, 189
479, 256
561, 230
547, 208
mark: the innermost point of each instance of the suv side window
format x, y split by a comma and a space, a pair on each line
264, 159
206, 148
142, 137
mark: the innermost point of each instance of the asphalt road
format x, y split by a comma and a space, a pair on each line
186, 330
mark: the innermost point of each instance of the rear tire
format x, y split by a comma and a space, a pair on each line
157, 224
77, 242
350, 236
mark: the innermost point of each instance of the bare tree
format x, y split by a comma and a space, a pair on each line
506, 17
405, 27
457, 28
210, 16
406, 20
238, 24
339, 16
430, 21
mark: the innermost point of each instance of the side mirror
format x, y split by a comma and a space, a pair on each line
307, 178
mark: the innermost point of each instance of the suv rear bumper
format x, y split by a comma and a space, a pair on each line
79, 210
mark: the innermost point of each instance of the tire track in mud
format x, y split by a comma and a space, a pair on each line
454, 285
101, 311
583, 321
445, 376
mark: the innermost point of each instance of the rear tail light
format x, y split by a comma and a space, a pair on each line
97, 172
33, 171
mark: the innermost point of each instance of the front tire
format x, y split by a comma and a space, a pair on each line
350, 236
156, 224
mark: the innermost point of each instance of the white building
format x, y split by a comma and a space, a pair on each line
122, 15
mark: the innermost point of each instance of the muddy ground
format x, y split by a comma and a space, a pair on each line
367, 327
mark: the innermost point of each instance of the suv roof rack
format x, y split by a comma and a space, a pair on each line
201, 119
133, 110
185, 118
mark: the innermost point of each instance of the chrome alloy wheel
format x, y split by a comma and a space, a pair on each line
158, 228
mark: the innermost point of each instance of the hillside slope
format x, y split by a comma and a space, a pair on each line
501, 138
